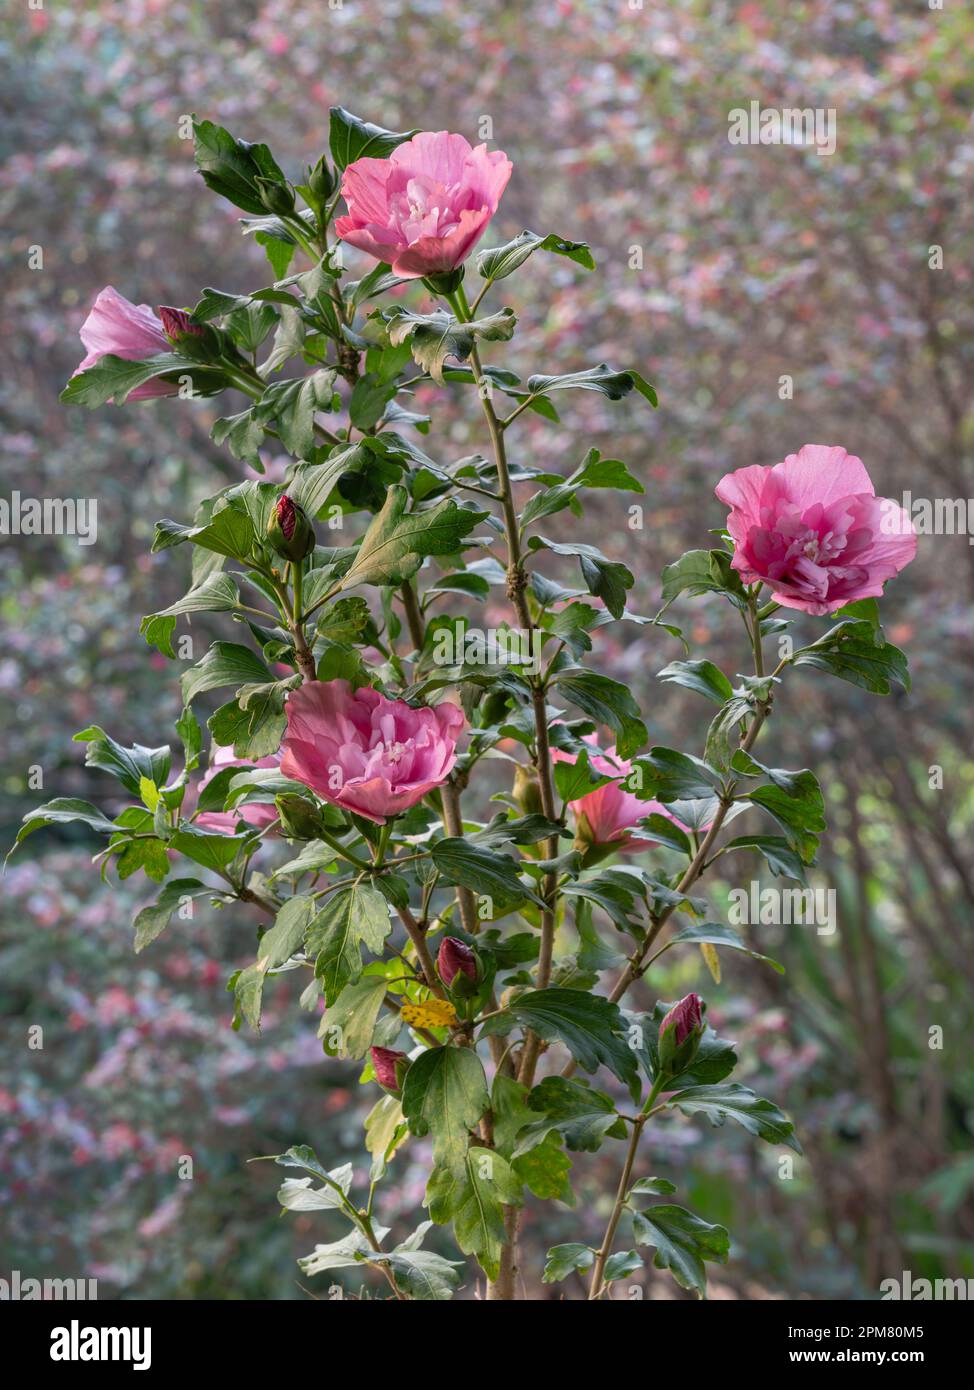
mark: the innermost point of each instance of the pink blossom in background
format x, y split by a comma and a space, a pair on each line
367, 754
117, 326
425, 207
256, 813
607, 815
814, 531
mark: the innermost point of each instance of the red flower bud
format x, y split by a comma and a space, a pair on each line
290, 532
679, 1035
454, 957
177, 321
687, 1017
390, 1067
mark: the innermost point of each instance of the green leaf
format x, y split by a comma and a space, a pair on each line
567, 1259
351, 918
501, 261
311, 484
297, 1194
61, 811
348, 1026
292, 406
217, 594
573, 1109
716, 934
701, 572
683, 1242
424, 1275
350, 138
607, 701
794, 800
602, 378
851, 652
350, 1252
608, 580
597, 472
544, 1169
657, 829
621, 1265
278, 944
473, 1196
577, 779
780, 858
702, 676
665, 774
396, 542
385, 1130
368, 401
254, 732
129, 765
656, 1187
231, 167
115, 378
445, 1093
211, 851
435, 337
154, 919
226, 663
483, 871
758, 1116
590, 1027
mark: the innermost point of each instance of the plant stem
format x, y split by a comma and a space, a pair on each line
450, 796
516, 586
504, 1288
605, 1250
302, 652
418, 937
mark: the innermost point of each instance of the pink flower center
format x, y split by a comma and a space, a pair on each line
426, 207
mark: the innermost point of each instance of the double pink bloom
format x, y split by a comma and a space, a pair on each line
813, 529
423, 209
367, 754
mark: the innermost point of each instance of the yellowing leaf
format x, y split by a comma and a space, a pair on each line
149, 792
433, 1013
711, 959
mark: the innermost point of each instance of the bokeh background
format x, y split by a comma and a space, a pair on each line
756, 262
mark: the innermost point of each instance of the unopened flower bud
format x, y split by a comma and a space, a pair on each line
276, 197
456, 958
177, 323
390, 1068
321, 180
527, 792
300, 818
679, 1035
444, 281
289, 530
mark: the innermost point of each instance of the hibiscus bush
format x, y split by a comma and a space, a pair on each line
461, 842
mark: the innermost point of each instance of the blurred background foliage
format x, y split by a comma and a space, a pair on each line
722, 269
